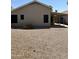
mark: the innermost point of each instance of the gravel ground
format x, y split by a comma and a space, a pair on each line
39, 43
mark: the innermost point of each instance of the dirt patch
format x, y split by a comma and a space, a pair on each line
40, 43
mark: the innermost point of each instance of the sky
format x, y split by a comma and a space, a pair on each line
60, 5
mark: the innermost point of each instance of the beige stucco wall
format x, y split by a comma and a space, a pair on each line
33, 14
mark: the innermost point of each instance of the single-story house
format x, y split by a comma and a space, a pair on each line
60, 17
65, 16
34, 13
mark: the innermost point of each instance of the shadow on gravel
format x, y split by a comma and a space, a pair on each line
53, 26
58, 26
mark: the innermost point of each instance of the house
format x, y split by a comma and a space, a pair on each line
65, 16
37, 14
34, 13
60, 17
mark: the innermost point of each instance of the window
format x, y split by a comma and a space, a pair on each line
45, 18
22, 17
13, 18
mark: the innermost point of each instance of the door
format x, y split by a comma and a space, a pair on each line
13, 18
51, 20
62, 20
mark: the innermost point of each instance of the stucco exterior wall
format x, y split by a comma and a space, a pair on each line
33, 14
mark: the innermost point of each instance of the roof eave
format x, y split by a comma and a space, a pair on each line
31, 3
